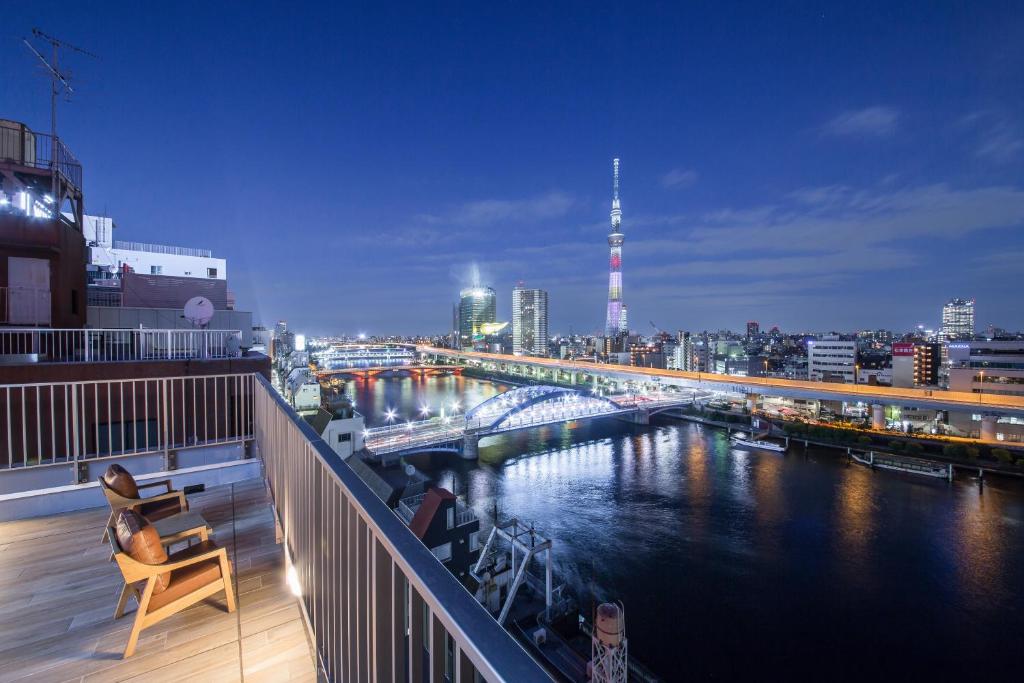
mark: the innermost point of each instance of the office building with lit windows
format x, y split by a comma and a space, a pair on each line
831, 360
529, 321
477, 307
958, 320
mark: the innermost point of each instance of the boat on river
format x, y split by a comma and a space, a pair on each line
750, 442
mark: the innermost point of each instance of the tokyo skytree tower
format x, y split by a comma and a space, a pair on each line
614, 323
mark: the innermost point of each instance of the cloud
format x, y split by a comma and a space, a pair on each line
486, 212
999, 138
877, 122
838, 217
679, 178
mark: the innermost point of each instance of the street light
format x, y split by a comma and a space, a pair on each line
389, 417
425, 411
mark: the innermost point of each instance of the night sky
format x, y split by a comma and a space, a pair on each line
793, 163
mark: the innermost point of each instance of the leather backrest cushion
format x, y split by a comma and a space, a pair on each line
129, 523
121, 481
146, 548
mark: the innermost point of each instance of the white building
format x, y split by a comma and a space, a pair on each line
529, 322
831, 360
991, 367
344, 433
110, 255
957, 320
302, 390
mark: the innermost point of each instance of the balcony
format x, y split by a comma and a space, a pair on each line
407, 508
375, 603
58, 590
22, 147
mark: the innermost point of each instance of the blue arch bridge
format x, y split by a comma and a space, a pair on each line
520, 408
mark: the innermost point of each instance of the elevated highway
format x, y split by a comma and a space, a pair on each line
581, 373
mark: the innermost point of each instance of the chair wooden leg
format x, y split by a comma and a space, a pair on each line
133, 639
140, 616
229, 586
126, 592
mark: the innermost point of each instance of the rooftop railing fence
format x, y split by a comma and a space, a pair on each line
119, 345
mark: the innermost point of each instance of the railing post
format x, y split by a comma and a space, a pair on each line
167, 447
169, 341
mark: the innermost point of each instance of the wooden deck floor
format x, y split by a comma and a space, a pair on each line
58, 592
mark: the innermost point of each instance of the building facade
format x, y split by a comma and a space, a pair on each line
990, 367
957, 320
477, 307
831, 360
529, 322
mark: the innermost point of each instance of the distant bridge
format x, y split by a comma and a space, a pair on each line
390, 371
520, 408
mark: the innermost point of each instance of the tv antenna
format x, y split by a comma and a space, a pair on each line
60, 82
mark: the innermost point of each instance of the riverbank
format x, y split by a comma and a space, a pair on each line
743, 422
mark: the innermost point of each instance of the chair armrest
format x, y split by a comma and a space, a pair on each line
133, 570
160, 496
164, 482
201, 557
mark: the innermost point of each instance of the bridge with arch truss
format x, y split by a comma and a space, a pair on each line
520, 408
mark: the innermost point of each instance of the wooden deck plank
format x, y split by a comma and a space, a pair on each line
58, 591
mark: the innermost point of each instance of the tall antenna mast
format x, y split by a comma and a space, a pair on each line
59, 82
615, 181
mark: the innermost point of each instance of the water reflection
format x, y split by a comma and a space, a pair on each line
739, 562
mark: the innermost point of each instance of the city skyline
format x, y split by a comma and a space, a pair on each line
841, 189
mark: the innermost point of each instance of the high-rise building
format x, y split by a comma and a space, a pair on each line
477, 307
529, 321
753, 329
624, 320
958, 320
683, 357
615, 322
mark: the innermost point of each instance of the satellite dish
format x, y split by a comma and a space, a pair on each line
199, 311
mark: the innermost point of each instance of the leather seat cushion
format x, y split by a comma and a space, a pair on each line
129, 523
120, 480
147, 549
186, 580
159, 509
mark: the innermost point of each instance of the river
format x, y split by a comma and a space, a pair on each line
747, 564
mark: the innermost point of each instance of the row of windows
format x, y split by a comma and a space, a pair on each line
159, 270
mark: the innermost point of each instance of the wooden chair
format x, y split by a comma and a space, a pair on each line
166, 587
121, 491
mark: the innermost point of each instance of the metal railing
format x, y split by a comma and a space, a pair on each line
162, 249
20, 145
407, 508
119, 345
52, 423
380, 605
24, 306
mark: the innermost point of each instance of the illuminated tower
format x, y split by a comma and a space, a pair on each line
614, 320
